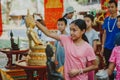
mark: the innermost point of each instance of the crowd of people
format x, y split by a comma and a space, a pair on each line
76, 44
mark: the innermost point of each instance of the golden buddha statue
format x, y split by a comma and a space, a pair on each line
37, 54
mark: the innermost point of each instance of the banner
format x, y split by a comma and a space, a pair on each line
0, 20
53, 11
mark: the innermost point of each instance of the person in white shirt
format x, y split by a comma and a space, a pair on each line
68, 15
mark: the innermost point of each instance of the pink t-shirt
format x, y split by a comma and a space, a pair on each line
115, 58
76, 57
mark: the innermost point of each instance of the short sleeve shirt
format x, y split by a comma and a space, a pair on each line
91, 36
76, 57
115, 58
110, 36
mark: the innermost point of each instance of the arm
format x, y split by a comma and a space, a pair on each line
103, 37
38, 14
103, 40
41, 19
46, 31
95, 45
75, 72
93, 66
91, 63
111, 68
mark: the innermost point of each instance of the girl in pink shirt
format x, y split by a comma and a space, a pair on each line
77, 51
114, 60
115, 56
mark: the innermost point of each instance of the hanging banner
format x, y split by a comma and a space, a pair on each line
53, 11
104, 6
0, 20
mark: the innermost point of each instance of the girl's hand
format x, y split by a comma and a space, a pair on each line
102, 50
73, 72
37, 23
38, 14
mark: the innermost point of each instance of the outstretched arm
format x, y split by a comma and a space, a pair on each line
111, 68
46, 31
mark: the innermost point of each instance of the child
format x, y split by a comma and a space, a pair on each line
118, 21
91, 34
110, 29
62, 23
115, 56
68, 15
77, 51
92, 37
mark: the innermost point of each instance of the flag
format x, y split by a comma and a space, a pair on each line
0, 20
53, 11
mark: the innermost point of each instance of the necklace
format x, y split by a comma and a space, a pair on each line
110, 30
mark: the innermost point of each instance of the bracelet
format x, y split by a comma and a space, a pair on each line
102, 45
81, 71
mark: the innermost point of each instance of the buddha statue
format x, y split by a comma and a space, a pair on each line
14, 46
53, 74
37, 53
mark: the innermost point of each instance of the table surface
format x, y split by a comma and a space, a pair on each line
41, 70
8, 50
9, 54
23, 64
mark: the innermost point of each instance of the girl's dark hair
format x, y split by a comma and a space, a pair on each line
118, 16
113, 1
90, 16
117, 39
65, 15
41, 21
82, 26
63, 19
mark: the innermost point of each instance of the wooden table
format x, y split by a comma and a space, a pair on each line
41, 70
17, 74
9, 54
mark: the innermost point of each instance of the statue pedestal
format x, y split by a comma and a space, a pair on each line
9, 54
41, 70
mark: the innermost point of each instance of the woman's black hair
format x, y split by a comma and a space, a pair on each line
118, 16
65, 15
113, 1
117, 39
63, 19
41, 21
90, 16
82, 26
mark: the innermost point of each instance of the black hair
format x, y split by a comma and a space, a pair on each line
118, 16
117, 39
90, 16
41, 21
63, 19
82, 26
113, 1
65, 15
